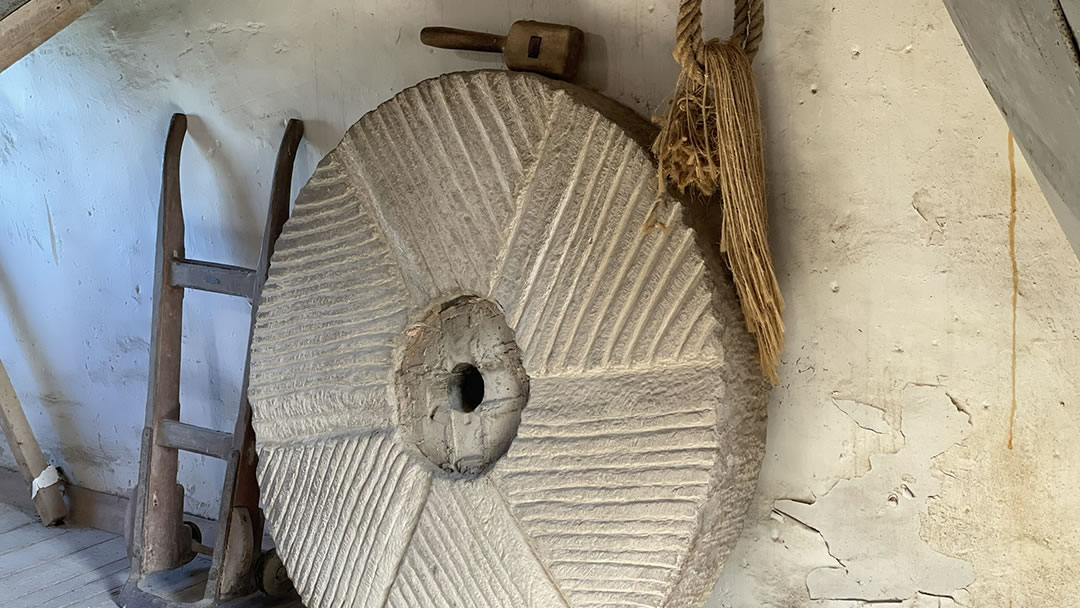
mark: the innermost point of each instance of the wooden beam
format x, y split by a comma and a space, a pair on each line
208, 276
31, 24
196, 439
48, 500
8, 6
93, 509
1027, 54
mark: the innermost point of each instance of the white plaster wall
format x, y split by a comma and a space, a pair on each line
889, 192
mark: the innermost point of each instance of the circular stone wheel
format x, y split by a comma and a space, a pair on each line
489, 371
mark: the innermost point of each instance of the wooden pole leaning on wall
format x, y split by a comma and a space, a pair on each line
43, 479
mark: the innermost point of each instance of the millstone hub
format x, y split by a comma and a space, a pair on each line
461, 385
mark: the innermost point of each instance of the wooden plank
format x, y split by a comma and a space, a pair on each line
8, 6
197, 439
75, 599
52, 579
209, 276
11, 518
24, 446
92, 576
33, 23
50, 549
98, 510
157, 539
89, 583
57, 563
24, 536
13, 521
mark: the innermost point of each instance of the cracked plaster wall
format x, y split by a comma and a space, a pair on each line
887, 479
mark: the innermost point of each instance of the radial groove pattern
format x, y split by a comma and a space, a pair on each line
637, 448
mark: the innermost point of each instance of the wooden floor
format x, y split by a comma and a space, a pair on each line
57, 567
83, 568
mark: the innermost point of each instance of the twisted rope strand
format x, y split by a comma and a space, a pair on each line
711, 139
748, 27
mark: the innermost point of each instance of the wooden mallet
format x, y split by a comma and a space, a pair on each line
530, 46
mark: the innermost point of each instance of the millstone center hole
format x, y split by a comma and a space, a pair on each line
466, 388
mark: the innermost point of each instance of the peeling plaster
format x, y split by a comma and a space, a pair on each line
871, 523
889, 181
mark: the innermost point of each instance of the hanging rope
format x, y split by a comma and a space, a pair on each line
711, 139
747, 28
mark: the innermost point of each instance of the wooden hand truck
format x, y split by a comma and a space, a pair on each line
161, 540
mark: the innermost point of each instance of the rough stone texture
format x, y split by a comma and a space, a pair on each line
498, 220
461, 430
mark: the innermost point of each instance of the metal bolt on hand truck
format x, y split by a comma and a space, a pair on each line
161, 539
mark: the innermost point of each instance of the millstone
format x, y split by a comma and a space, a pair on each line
489, 371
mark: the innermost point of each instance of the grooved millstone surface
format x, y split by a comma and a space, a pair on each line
498, 220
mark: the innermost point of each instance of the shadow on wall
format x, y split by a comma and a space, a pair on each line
594, 73
233, 186
52, 396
